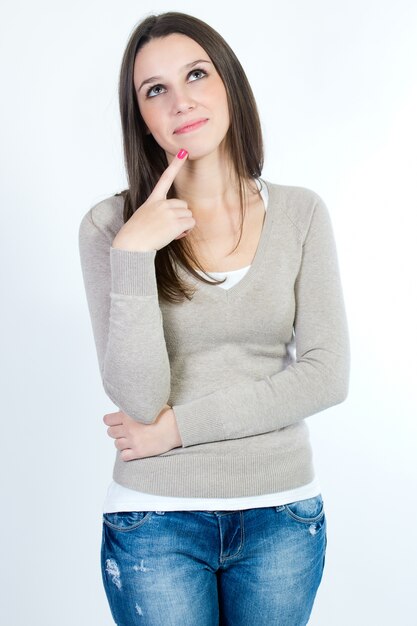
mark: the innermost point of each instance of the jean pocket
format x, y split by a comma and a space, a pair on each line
126, 520
307, 510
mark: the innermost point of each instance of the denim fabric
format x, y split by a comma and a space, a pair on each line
214, 568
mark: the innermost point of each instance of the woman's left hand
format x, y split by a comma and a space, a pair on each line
137, 441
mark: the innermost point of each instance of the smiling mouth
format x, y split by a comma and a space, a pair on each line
190, 128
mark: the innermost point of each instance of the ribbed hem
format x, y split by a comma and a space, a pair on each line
133, 272
200, 476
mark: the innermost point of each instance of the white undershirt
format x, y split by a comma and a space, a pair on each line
119, 498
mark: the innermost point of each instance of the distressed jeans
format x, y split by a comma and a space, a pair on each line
214, 568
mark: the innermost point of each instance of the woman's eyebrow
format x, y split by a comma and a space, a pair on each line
153, 78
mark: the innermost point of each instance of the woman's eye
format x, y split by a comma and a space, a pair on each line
198, 71
149, 92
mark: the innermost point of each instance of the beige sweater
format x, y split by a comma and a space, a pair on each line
242, 368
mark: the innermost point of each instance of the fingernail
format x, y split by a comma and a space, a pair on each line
182, 153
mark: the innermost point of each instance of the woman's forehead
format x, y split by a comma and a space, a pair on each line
160, 50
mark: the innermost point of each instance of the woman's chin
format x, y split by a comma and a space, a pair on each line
195, 153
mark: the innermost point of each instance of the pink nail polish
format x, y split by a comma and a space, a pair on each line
182, 153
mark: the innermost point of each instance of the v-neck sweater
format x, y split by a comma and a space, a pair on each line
119, 498
223, 360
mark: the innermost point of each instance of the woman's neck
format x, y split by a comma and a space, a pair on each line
208, 185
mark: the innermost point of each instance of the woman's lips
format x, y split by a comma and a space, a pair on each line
188, 129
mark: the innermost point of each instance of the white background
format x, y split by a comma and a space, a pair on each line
336, 88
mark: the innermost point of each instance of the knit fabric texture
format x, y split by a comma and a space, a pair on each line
242, 367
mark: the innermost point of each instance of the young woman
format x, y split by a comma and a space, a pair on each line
219, 322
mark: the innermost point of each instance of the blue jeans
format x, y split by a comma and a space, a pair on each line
210, 568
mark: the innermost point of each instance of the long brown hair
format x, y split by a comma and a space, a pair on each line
145, 160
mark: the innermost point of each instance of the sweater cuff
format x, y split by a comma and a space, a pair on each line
133, 272
198, 423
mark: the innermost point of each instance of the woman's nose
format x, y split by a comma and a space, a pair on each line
181, 100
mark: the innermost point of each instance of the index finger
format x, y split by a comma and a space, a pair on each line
168, 176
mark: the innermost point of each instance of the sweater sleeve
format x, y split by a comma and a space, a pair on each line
317, 380
122, 298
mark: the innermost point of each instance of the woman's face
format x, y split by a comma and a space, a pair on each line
181, 85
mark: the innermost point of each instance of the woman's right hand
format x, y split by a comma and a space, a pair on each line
157, 221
